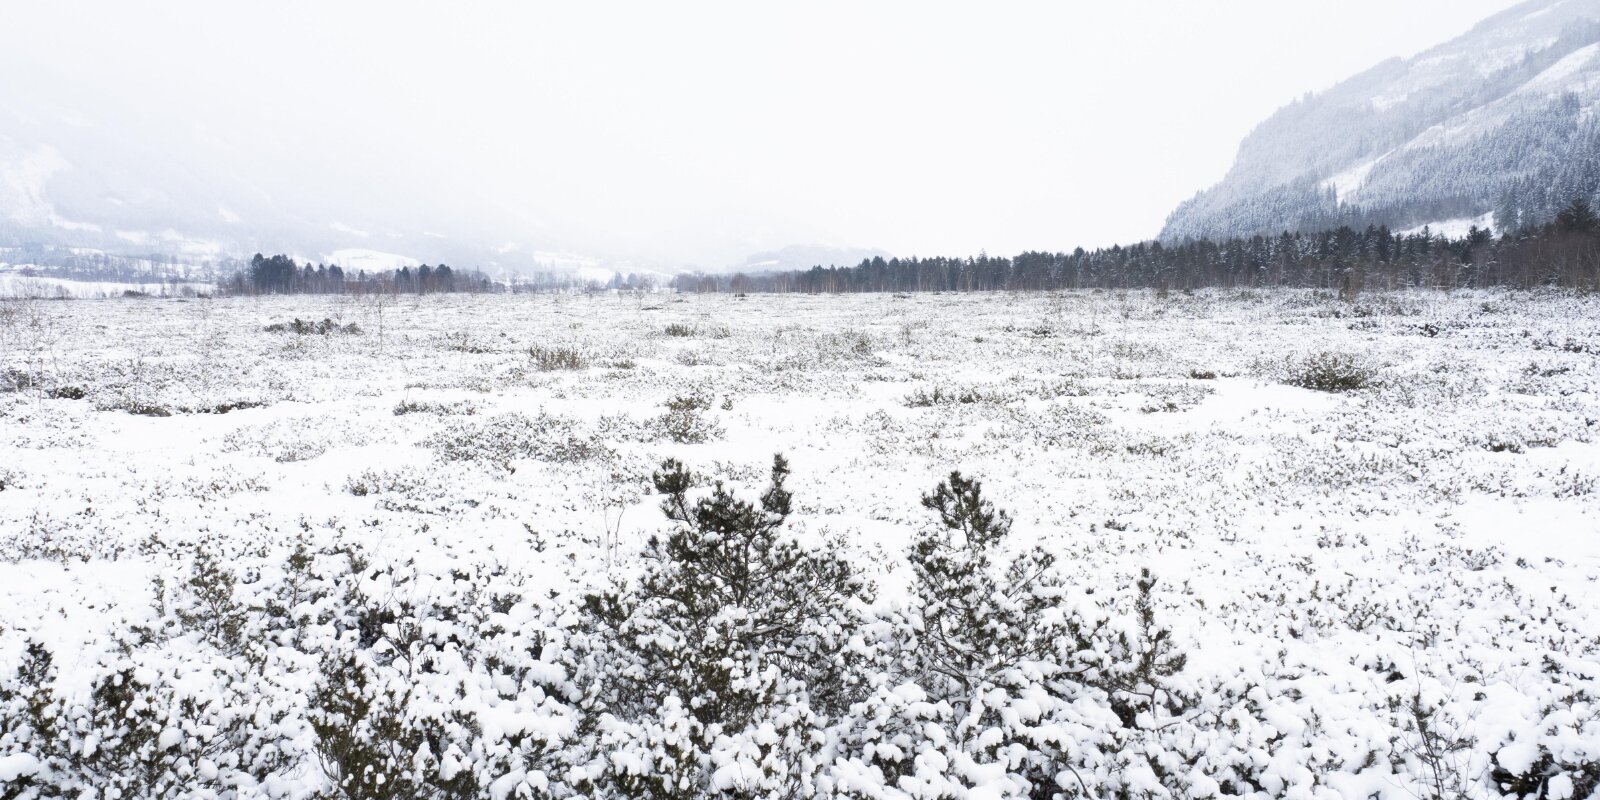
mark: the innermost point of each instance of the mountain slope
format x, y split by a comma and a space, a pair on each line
1498, 124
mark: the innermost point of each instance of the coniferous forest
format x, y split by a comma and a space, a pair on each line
1564, 253
280, 274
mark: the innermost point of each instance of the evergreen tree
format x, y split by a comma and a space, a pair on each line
718, 663
1578, 217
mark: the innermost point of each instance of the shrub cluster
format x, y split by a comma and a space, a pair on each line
504, 439
313, 328
551, 359
733, 659
939, 395
1331, 372
685, 420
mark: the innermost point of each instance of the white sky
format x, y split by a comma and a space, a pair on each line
697, 133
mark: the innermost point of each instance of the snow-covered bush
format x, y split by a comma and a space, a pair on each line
504, 439
685, 421
1330, 372
551, 359
438, 686
719, 668
996, 678
302, 327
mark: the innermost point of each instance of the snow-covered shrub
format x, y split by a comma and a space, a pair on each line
993, 677
27, 724
289, 441
207, 604
504, 439
80, 537
685, 421
428, 489
1556, 756
440, 408
438, 688
160, 721
159, 728
551, 359
720, 666
979, 637
924, 397
1330, 372
462, 342
302, 327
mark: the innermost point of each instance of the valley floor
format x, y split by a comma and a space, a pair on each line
1396, 582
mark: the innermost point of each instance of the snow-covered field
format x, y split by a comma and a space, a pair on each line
24, 287
216, 529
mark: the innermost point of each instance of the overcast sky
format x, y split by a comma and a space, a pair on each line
697, 133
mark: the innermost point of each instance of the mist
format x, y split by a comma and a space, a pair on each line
652, 136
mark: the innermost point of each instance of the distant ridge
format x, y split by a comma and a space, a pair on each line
1495, 128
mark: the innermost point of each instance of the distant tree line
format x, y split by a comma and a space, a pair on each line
545, 281
280, 274
1565, 252
53, 261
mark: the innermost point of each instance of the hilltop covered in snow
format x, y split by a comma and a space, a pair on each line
1499, 122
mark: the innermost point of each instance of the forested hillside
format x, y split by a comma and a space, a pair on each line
1564, 253
1497, 126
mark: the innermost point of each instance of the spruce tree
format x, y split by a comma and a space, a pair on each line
1578, 217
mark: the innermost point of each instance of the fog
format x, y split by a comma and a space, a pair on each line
665, 136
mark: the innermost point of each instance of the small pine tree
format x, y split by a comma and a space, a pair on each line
992, 664
977, 620
28, 722
734, 644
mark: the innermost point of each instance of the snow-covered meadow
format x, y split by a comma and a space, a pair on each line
253, 546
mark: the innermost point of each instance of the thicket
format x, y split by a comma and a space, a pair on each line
732, 658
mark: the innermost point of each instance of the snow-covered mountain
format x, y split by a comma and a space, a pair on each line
1498, 126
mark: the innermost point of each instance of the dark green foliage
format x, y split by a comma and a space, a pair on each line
280, 274
1143, 661
211, 609
1578, 217
685, 420
28, 719
371, 744
1331, 372
940, 396
551, 359
1538, 252
310, 328
978, 619
732, 624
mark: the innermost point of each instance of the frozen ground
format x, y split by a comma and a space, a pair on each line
1397, 584
15, 286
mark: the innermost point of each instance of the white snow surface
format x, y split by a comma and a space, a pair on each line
15, 286
1433, 535
1455, 228
358, 258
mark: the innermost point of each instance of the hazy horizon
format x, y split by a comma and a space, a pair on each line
655, 137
